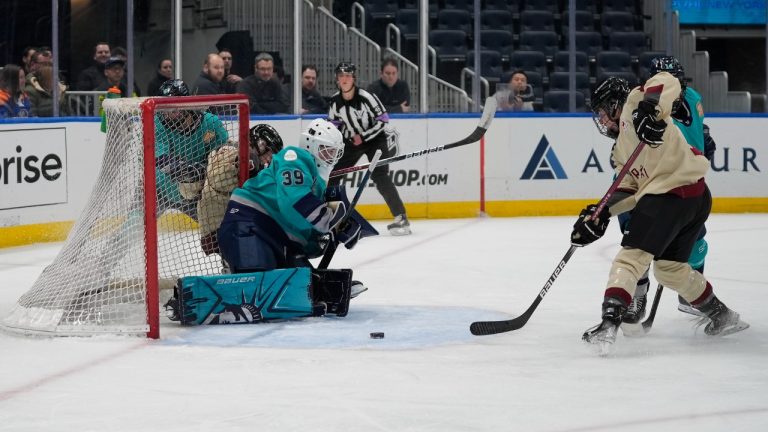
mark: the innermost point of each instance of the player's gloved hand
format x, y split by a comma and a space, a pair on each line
590, 227
648, 128
709, 144
348, 233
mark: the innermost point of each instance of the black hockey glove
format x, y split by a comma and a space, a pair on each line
648, 129
709, 144
348, 233
589, 227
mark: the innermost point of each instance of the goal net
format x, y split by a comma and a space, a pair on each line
138, 231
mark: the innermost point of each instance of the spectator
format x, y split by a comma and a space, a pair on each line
164, 73
230, 80
13, 100
209, 82
26, 58
122, 54
41, 57
114, 71
312, 102
41, 95
393, 92
264, 91
518, 94
93, 77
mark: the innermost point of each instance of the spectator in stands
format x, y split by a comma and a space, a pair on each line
41, 95
393, 92
114, 71
26, 58
14, 102
93, 77
122, 54
209, 82
517, 95
164, 73
230, 79
264, 91
312, 102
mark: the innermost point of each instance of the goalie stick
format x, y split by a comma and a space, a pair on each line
333, 245
483, 328
485, 122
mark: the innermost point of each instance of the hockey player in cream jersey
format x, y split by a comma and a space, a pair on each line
666, 191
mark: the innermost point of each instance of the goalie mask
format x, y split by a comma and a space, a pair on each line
184, 122
324, 141
606, 102
174, 87
264, 143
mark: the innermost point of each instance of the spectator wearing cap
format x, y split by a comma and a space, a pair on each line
93, 77
122, 54
264, 91
209, 82
114, 71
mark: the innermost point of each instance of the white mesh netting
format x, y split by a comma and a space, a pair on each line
97, 283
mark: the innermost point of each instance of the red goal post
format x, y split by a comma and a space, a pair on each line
138, 231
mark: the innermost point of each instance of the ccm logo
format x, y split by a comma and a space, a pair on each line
29, 169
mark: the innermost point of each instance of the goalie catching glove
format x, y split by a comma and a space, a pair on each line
648, 128
589, 226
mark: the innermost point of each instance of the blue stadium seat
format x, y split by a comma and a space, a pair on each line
537, 20
631, 6
496, 20
490, 65
381, 9
544, 41
608, 62
529, 61
644, 63
633, 43
562, 60
450, 45
497, 40
561, 81
465, 5
559, 100
629, 76
512, 6
611, 22
589, 6
545, 5
588, 42
455, 19
585, 21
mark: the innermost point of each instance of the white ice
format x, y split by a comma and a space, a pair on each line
428, 373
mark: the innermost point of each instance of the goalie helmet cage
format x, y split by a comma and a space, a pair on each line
138, 228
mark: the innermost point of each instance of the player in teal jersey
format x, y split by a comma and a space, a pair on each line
183, 140
688, 116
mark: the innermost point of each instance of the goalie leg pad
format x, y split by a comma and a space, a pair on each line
246, 297
332, 287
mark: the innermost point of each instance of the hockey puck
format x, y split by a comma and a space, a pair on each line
377, 335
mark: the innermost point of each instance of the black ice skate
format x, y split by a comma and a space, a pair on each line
603, 335
400, 226
631, 322
722, 321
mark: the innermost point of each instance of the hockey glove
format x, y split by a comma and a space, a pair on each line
348, 233
648, 129
337, 193
709, 144
590, 227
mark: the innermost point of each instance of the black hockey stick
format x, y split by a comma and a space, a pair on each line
333, 245
648, 323
483, 328
485, 122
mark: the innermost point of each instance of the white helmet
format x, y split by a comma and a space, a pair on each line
325, 142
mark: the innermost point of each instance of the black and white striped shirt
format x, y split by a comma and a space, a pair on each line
362, 115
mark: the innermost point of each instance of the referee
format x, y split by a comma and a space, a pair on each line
361, 119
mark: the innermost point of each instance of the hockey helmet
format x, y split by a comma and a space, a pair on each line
606, 100
324, 141
264, 142
668, 64
174, 87
345, 67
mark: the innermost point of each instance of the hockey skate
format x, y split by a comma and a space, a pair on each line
400, 226
357, 289
686, 307
631, 322
603, 335
722, 321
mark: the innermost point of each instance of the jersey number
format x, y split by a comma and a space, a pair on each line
295, 177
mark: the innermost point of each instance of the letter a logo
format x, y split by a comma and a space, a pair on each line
544, 163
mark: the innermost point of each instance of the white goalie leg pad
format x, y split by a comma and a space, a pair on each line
628, 267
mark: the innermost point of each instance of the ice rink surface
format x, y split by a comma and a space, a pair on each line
428, 373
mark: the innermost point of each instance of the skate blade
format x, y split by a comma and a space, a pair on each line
402, 231
357, 291
739, 326
633, 329
689, 310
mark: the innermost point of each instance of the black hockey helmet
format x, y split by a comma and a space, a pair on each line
264, 142
345, 67
669, 64
608, 98
174, 87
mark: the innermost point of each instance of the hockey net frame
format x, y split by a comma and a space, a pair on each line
91, 290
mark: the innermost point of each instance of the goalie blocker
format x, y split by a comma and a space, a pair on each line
262, 296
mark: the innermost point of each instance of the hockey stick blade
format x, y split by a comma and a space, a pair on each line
485, 122
484, 328
648, 323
